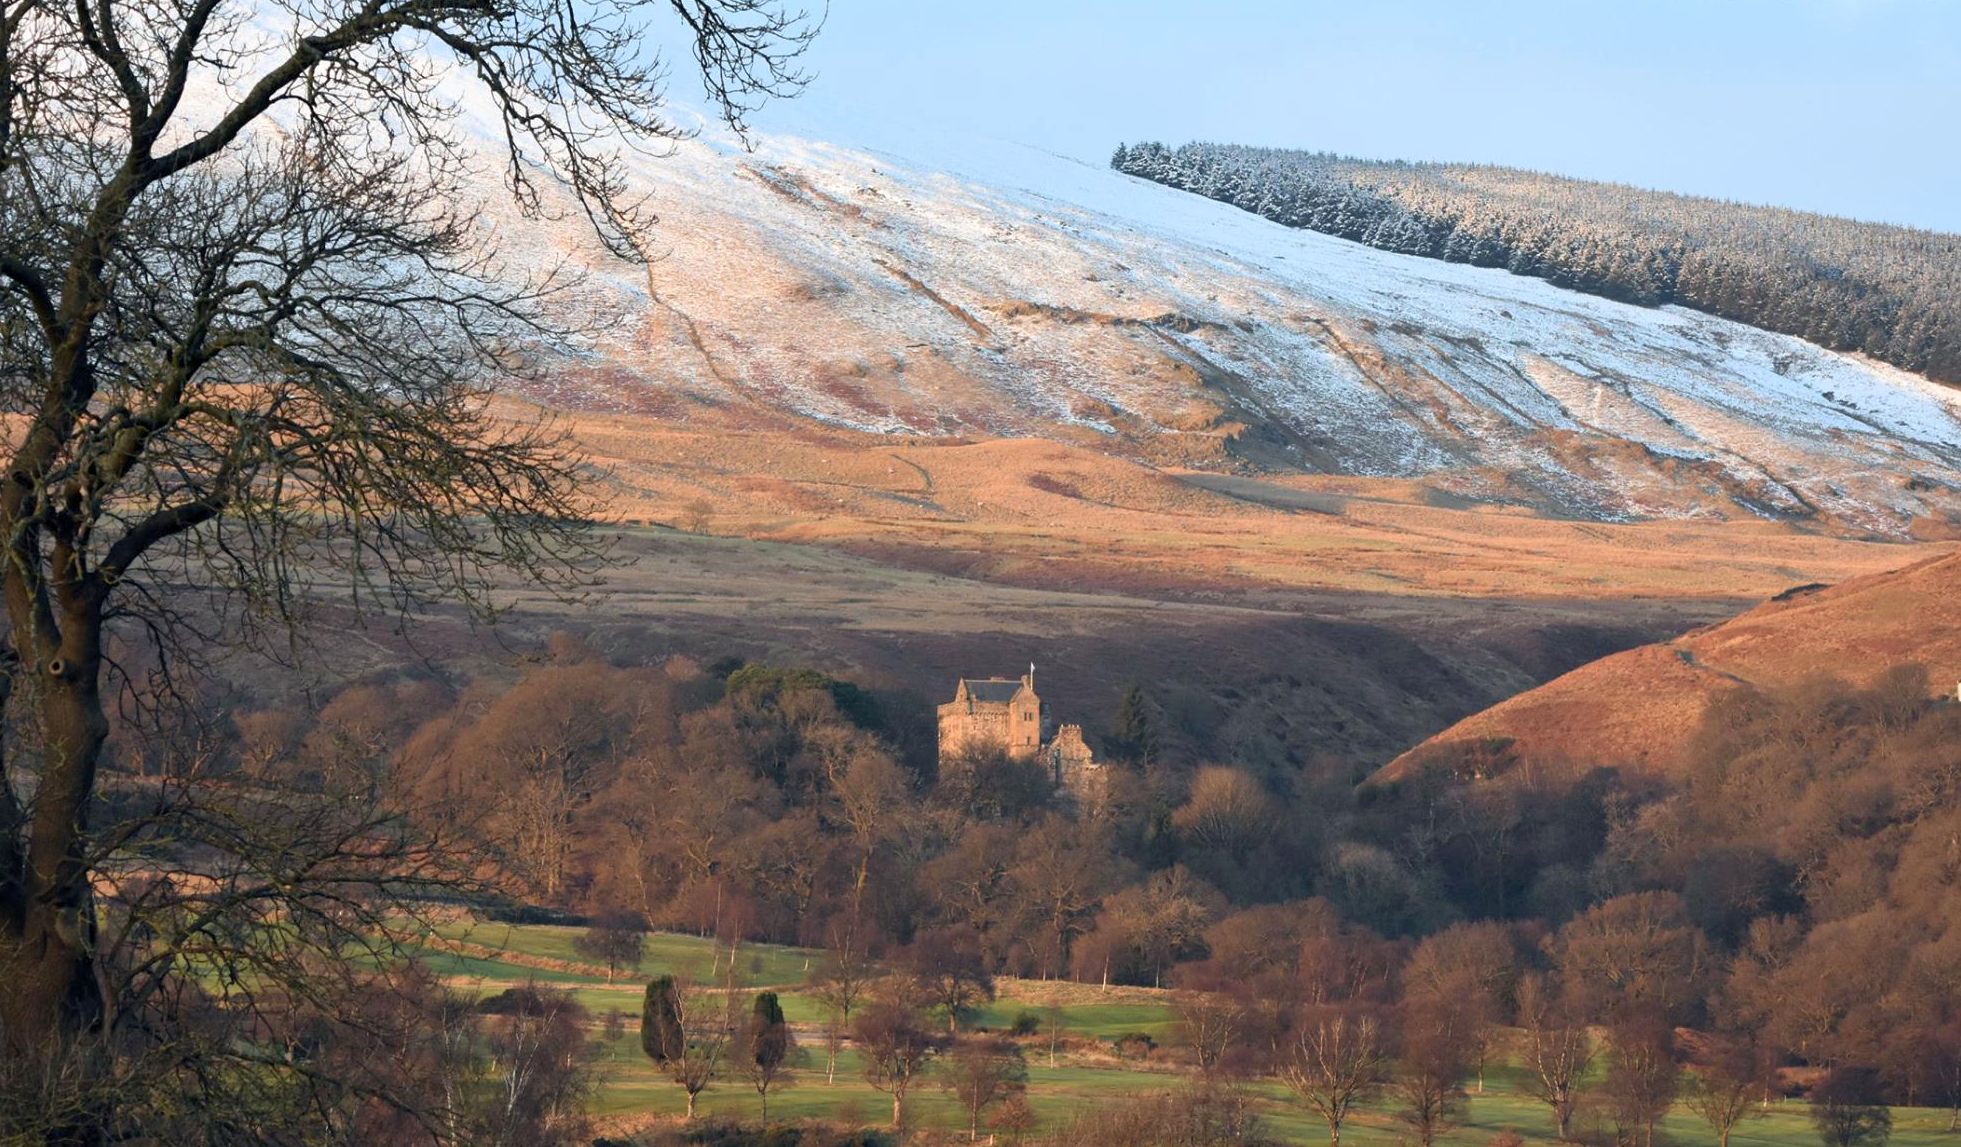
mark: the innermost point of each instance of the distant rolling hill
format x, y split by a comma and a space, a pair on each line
984, 290
1640, 708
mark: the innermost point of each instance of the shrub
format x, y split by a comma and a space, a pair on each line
730, 1133
1026, 1022
527, 1000
1846, 1109
533, 914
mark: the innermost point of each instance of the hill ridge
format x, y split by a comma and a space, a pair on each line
1843, 284
1639, 708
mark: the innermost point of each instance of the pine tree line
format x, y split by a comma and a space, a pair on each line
1893, 293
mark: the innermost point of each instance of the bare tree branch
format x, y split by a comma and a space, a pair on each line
250, 327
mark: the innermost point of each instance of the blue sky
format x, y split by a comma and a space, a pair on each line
1846, 106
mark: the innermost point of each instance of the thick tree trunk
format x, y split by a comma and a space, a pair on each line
858, 891
47, 917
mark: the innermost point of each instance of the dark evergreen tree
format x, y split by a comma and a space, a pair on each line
768, 1044
662, 1036
1889, 292
1134, 738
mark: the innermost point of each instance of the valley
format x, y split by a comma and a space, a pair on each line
526, 587
1354, 533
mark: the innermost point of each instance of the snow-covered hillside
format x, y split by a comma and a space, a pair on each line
981, 288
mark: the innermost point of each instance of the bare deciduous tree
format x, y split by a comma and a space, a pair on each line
896, 1047
950, 970
1472, 968
840, 985
536, 1052
1435, 1053
1211, 1023
872, 800
1055, 1021
1846, 1110
686, 1030
616, 938
981, 1073
1558, 1051
1060, 874
247, 319
1642, 1076
1335, 1062
1733, 1075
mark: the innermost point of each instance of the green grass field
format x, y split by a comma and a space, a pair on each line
759, 965
1084, 1021
1085, 1077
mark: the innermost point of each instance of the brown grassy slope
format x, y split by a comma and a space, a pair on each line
1640, 707
1055, 515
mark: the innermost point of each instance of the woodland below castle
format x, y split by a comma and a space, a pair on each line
784, 805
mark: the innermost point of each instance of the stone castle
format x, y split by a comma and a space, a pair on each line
1005, 715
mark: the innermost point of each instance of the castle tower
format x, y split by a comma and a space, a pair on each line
997, 714
1074, 768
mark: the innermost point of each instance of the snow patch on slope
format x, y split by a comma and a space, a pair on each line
933, 286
